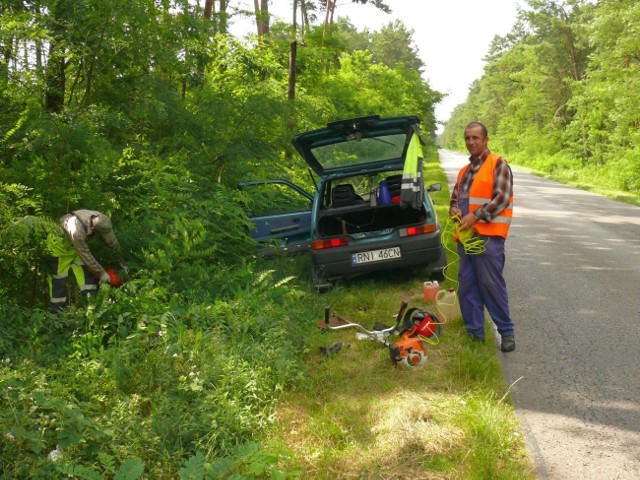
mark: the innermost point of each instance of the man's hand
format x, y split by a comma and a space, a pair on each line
105, 278
468, 221
455, 212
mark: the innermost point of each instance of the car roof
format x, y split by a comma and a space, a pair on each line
358, 145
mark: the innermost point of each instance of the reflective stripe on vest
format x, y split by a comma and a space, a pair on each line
481, 193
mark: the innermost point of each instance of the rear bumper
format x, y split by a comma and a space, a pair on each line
420, 250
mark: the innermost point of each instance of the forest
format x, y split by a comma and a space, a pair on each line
151, 112
561, 94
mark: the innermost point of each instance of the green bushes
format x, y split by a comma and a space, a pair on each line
161, 389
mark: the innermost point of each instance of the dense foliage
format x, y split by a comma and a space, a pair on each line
149, 112
560, 93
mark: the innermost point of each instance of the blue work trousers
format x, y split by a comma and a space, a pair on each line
482, 285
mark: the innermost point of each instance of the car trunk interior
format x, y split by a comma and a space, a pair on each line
364, 218
351, 210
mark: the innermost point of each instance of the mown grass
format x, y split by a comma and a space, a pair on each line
357, 415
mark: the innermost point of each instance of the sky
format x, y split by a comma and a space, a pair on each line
452, 36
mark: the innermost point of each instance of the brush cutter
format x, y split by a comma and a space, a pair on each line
413, 326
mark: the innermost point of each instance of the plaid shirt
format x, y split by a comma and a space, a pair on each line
502, 186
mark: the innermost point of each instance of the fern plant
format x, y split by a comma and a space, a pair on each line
23, 258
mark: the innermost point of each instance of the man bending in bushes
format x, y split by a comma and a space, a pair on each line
70, 252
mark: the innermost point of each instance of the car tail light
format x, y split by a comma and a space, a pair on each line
418, 230
330, 243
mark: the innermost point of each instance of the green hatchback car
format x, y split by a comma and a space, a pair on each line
370, 210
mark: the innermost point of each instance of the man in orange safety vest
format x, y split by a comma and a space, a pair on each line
482, 201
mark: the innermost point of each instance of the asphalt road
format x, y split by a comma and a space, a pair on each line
573, 273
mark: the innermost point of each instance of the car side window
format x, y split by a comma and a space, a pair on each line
273, 198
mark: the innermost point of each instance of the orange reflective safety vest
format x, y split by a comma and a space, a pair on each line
481, 193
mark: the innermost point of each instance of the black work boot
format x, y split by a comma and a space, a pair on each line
508, 343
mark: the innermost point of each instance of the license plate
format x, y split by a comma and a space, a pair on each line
375, 255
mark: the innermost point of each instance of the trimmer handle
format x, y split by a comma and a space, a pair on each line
403, 307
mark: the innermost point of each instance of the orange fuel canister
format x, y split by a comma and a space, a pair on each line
430, 291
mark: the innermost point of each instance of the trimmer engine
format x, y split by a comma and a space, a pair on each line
410, 351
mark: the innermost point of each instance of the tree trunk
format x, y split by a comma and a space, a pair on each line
223, 16
573, 54
256, 6
293, 53
208, 9
304, 16
333, 10
264, 11
295, 18
55, 81
327, 15
6, 50
38, 54
291, 95
328, 18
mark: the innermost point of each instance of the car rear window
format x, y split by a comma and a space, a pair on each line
358, 150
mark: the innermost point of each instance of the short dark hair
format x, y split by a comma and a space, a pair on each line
481, 125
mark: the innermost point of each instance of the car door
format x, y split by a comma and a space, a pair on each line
281, 215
